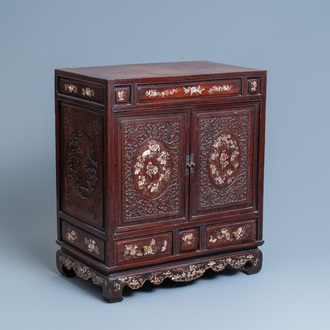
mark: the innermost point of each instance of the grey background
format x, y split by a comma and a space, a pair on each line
288, 38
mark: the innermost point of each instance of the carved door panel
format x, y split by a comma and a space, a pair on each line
152, 175
225, 162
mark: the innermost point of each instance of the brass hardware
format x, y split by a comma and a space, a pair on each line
147, 249
190, 164
235, 235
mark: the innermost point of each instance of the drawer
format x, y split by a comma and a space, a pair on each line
83, 90
232, 233
220, 88
189, 240
150, 247
83, 240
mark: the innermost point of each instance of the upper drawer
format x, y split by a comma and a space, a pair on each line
219, 88
81, 89
232, 233
150, 247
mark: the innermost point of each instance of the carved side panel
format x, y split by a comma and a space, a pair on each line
225, 159
81, 161
152, 174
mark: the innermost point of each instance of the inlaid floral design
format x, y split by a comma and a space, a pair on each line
189, 272
152, 169
71, 235
226, 235
193, 90
135, 250
223, 160
91, 245
167, 92
121, 95
82, 271
88, 92
70, 88
188, 239
220, 88
253, 86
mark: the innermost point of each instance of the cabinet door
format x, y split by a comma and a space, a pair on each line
153, 180
223, 180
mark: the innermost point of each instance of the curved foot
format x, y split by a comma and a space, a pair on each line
60, 263
253, 266
112, 291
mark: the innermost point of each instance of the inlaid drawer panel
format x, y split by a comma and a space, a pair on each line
83, 240
155, 246
231, 233
83, 90
189, 240
186, 91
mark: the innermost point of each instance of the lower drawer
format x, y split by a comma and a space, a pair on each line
155, 246
231, 233
83, 240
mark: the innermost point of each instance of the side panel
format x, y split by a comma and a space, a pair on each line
81, 164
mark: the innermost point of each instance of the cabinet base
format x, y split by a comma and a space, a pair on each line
249, 262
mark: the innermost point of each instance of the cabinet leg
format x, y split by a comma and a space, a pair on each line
253, 266
112, 291
64, 270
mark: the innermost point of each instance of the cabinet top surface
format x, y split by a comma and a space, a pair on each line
152, 70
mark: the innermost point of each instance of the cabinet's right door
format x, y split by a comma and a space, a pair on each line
225, 149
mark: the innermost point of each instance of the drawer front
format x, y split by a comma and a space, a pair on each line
189, 240
191, 90
83, 90
144, 248
231, 233
83, 240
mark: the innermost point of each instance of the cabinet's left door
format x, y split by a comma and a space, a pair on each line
153, 182
81, 163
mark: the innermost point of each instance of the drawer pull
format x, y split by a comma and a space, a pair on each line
147, 249
136, 250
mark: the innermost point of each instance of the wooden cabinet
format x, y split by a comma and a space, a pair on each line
159, 171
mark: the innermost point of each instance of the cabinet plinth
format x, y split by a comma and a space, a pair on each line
159, 171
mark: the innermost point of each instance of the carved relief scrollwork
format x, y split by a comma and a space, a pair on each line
151, 183
82, 164
249, 262
224, 160
191, 272
82, 271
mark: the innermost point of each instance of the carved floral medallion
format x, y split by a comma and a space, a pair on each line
152, 169
223, 161
81, 164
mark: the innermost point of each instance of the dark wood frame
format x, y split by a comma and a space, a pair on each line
115, 93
